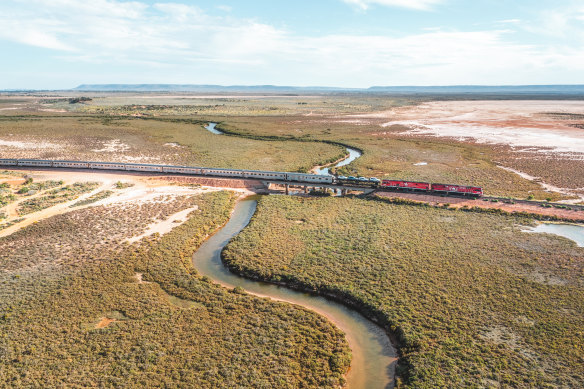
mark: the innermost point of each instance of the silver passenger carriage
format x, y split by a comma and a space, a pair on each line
71, 164
8, 162
304, 177
35, 163
222, 172
107, 165
264, 175
142, 167
182, 170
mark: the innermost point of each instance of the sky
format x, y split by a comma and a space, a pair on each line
59, 44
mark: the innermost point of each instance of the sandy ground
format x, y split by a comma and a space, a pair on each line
516, 123
104, 322
145, 188
457, 202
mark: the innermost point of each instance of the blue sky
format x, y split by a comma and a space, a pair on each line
54, 44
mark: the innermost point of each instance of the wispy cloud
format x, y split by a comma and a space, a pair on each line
412, 4
190, 45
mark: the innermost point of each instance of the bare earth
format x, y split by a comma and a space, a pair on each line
145, 188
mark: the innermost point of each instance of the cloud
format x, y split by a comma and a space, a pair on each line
225, 8
176, 42
412, 4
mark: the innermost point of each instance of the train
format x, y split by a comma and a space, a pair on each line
450, 189
372, 182
199, 171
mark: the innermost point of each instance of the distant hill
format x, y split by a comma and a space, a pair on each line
443, 90
199, 88
458, 89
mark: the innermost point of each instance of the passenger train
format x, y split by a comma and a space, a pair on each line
256, 174
199, 171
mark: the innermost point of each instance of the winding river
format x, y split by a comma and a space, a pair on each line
353, 155
323, 170
374, 357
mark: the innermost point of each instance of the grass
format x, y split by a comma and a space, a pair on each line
472, 300
68, 275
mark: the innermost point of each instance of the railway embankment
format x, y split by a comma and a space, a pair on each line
537, 209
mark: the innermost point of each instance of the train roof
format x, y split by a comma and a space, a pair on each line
462, 186
413, 182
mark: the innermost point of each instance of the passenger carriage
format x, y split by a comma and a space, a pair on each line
8, 162
71, 164
264, 175
304, 177
182, 170
107, 165
35, 163
140, 167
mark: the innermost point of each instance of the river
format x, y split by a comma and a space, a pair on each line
211, 127
353, 155
374, 357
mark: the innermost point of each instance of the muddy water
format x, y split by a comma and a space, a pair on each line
211, 127
353, 155
374, 358
570, 231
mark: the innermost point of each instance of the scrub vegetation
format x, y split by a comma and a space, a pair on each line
472, 299
55, 196
388, 154
79, 307
285, 133
153, 140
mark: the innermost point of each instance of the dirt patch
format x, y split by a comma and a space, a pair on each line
138, 277
220, 182
104, 322
164, 226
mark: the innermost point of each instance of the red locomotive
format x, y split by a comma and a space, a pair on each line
458, 189
474, 191
408, 185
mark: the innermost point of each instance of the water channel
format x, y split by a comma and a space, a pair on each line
353, 155
211, 127
373, 362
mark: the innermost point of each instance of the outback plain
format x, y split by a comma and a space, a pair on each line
98, 286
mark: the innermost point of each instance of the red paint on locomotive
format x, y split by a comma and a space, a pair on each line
406, 185
472, 190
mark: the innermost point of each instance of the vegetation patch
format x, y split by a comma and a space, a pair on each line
59, 316
457, 288
93, 198
56, 196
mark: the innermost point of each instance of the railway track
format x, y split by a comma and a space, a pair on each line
313, 180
